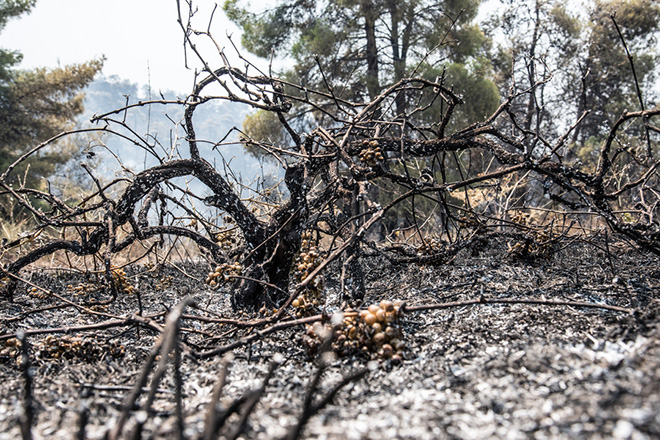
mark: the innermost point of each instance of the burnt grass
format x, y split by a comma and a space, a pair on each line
478, 371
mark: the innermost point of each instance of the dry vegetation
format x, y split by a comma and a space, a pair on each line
397, 280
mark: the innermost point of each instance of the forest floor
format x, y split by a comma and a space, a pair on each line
479, 371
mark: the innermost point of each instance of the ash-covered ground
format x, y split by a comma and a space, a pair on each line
479, 371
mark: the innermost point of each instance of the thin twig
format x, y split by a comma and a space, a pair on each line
419, 308
27, 409
511, 301
649, 148
251, 401
213, 421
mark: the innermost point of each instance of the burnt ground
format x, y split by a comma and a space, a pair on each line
480, 371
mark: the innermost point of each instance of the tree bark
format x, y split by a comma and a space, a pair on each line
370, 14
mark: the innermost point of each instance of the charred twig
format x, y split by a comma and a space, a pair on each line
83, 419
250, 401
166, 346
309, 407
27, 405
145, 321
482, 300
130, 401
311, 410
215, 416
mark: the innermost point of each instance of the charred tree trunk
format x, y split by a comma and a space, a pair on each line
268, 266
370, 17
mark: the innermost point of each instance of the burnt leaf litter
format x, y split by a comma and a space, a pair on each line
484, 370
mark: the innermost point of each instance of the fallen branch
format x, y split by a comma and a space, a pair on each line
258, 334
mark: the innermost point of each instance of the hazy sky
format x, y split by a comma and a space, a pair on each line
140, 39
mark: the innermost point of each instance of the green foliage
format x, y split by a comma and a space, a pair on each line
361, 46
9, 58
13, 8
473, 83
609, 85
576, 59
270, 31
42, 102
34, 106
583, 52
587, 152
37, 105
357, 48
264, 127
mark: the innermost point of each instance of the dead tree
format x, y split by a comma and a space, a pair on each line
327, 174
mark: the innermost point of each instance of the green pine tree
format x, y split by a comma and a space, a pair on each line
360, 47
581, 50
35, 105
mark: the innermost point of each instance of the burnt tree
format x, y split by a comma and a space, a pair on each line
421, 171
